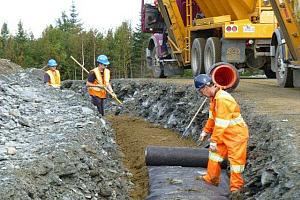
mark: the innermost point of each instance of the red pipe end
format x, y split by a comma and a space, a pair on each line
225, 76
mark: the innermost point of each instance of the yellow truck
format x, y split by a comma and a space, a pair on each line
195, 34
285, 44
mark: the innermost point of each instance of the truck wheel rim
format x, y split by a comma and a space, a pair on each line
195, 62
280, 66
209, 60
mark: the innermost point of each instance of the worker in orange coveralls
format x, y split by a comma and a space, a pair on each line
229, 135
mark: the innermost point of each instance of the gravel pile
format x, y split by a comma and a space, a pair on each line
6, 66
53, 145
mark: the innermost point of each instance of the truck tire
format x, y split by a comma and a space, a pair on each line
197, 60
284, 74
268, 72
212, 52
158, 71
154, 64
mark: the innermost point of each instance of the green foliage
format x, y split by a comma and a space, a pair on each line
251, 72
188, 73
4, 31
139, 44
124, 47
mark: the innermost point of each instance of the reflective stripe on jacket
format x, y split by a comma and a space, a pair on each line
101, 79
54, 78
225, 121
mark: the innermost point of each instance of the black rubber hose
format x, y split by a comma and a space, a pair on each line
178, 156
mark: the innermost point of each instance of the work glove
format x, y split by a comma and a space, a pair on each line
203, 136
213, 146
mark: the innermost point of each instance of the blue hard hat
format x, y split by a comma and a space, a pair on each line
103, 60
201, 80
52, 63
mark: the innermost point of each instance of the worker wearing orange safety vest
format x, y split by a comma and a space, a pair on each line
99, 78
52, 76
229, 135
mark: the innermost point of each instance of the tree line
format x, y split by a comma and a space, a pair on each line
124, 47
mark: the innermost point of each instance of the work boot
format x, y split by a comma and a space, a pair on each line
236, 195
201, 178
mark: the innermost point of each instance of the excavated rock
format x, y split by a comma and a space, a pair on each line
272, 170
6, 66
53, 145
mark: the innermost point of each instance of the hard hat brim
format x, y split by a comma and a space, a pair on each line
106, 63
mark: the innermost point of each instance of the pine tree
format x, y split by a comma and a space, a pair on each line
139, 44
4, 31
122, 51
20, 45
21, 34
74, 15
64, 23
3, 39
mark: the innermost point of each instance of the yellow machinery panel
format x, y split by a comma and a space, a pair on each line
237, 9
212, 20
288, 16
248, 30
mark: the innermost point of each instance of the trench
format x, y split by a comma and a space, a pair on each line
267, 175
133, 135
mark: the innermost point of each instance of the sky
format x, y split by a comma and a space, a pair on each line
36, 15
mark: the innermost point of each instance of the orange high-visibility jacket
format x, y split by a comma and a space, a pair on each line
225, 121
54, 78
102, 79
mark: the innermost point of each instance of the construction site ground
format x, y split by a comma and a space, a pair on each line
280, 105
272, 113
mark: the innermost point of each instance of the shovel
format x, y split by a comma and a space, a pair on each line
115, 98
187, 132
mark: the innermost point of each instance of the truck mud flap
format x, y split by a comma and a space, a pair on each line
233, 51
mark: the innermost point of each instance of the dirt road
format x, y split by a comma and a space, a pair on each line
280, 104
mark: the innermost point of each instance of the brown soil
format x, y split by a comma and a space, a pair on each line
133, 136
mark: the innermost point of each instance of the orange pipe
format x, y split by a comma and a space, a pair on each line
225, 76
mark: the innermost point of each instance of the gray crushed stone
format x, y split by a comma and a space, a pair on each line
53, 145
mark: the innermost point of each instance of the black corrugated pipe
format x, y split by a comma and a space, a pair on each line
178, 156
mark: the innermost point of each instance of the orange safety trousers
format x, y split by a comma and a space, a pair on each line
236, 153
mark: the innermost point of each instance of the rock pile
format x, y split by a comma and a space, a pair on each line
272, 170
53, 145
6, 66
